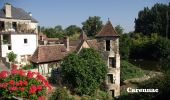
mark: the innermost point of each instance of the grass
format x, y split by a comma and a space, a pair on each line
129, 71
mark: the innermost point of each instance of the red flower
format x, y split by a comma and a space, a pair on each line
4, 74
22, 88
17, 83
14, 71
22, 73
13, 88
12, 82
32, 89
39, 87
20, 82
3, 85
25, 82
30, 74
40, 77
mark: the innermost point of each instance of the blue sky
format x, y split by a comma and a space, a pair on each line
50, 13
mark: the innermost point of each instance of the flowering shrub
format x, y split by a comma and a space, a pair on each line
25, 84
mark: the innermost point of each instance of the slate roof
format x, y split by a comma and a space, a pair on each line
107, 31
49, 53
17, 13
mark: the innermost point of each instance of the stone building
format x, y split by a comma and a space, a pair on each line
106, 42
108, 46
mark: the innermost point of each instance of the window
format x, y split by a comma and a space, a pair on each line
107, 45
112, 62
9, 47
14, 25
25, 41
2, 25
112, 92
110, 78
41, 38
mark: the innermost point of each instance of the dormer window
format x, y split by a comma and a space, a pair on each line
107, 45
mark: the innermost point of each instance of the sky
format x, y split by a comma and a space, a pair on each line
50, 13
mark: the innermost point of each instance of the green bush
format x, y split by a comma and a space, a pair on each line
102, 95
61, 94
29, 66
86, 97
11, 56
83, 73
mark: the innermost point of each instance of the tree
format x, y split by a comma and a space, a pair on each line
11, 56
152, 20
84, 72
125, 43
72, 29
119, 29
92, 25
56, 32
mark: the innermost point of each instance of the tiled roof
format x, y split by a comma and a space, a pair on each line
107, 31
93, 43
49, 53
17, 13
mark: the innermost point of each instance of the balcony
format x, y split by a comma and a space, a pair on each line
16, 27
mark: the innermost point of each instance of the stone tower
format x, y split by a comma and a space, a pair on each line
108, 46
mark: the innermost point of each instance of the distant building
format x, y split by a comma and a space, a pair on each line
18, 33
106, 42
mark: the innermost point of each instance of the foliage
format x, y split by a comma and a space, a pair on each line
55, 77
25, 84
86, 97
11, 56
28, 66
103, 95
154, 47
92, 26
72, 29
61, 94
119, 29
128, 71
152, 20
84, 72
56, 32
125, 44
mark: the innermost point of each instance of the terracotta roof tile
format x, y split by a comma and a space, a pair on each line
48, 53
107, 31
93, 44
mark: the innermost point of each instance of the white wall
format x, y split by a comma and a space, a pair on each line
18, 46
5, 50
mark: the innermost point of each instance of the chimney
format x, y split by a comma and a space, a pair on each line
67, 43
8, 10
30, 13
